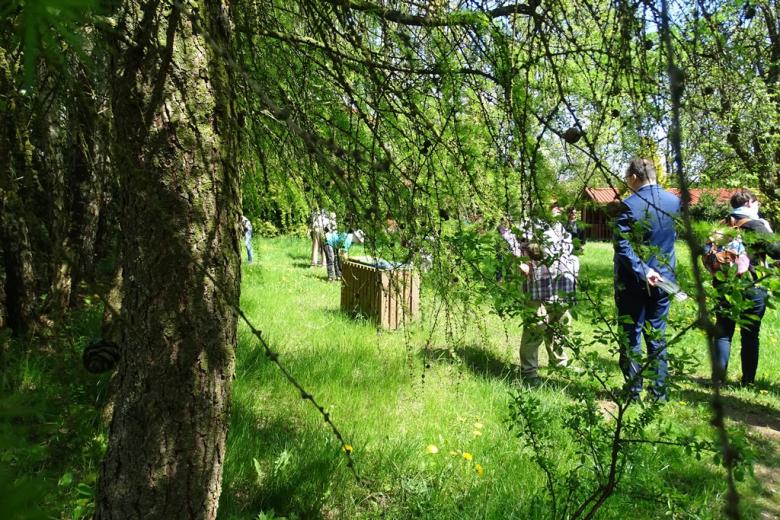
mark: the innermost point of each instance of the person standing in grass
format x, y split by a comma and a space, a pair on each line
246, 227
318, 222
550, 270
575, 230
749, 309
644, 257
337, 244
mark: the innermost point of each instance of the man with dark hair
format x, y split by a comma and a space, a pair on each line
644, 257
742, 198
750, 311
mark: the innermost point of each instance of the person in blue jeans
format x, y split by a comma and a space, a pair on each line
336, 242
246, 227
751, 310
644, 257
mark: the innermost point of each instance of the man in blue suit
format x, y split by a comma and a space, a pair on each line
644, 257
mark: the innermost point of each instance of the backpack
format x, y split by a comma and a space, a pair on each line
722, 250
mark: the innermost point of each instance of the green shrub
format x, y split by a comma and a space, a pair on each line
709, 209
266, 229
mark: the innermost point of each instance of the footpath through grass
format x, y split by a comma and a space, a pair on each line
425, 413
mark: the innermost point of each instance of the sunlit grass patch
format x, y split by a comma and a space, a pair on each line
426, 419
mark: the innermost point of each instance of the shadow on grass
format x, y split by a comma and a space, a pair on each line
741, 410
476, 359
355, 319
50, 411
484, 363
767, 477
302, 258
761, 384
291, 469
763, 424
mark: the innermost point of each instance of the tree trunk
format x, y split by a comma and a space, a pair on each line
174, 147
3, 310
18, 265
56, 244
82, 164
15, 161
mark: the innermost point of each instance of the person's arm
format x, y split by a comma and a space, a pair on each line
624, 251
511, 240
346, 241
762, 242
514, 247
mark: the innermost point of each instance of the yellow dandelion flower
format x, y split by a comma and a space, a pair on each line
683, 403
432, 449
347, 448
478, 425
477, 433
467, 455
479, 469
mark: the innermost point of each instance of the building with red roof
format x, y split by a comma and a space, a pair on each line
595, 212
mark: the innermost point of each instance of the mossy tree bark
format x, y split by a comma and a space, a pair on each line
15, 170
174, 149
84, 172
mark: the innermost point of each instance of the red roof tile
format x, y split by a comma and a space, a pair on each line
722, 195
602, 195
607, 195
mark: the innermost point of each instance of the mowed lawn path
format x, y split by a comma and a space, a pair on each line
425, 411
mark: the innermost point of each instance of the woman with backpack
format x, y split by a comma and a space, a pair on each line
749, 310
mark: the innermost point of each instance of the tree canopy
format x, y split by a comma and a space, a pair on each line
135, 133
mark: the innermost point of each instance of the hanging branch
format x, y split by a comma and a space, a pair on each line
676, 87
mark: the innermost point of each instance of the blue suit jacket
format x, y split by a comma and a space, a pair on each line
644, 237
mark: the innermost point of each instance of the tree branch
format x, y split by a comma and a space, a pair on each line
456, 18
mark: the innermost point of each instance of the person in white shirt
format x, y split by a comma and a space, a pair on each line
319, 221
246, 227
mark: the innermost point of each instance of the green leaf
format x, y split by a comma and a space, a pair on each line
65, 480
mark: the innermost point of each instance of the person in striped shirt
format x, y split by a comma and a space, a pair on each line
549, 269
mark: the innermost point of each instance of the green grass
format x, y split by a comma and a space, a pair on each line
51, 434
393, 394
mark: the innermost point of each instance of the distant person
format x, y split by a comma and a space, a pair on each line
331, 254
317, 224
246, 227
338, 245
550, 281
758, 243
391, 225
644, 257
358, 236
575, 230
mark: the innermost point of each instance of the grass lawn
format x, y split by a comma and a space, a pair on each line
444, 384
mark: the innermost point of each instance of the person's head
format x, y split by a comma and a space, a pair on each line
640, 171
573, 214
555, 209
742, 198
